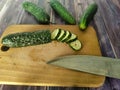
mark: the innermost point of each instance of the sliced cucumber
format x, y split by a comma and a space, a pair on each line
68, 35
55, 34
62, 35
72, 38
75, 45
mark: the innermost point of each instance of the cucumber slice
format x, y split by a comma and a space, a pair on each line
72, 38
68, 35
55, 34
75, 45
62, 35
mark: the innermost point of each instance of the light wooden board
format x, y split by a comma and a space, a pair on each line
27, 65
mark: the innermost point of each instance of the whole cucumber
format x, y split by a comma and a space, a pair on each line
23, 39
88, 16
37, 12
62, 12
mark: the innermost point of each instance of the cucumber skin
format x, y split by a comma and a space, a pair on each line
71, 40
62, 12
88, 16
27, 38
67, 37
37, 12
59, 39
58, 34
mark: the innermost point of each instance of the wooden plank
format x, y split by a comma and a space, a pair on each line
9, 14
2, 4
108, 34
102, 34
109, 14
29, 63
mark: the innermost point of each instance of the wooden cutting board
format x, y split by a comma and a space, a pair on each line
27, 65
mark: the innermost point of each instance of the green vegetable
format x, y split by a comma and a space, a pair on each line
27, 38
72, 38
62, 35
75, 45
68, 37
37, 12
62, 11
88, 16
55, 34
4, 48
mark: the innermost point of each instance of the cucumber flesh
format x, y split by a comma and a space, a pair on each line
68, 35
62, 35
55, 34
23, 39
75, 45
72, 38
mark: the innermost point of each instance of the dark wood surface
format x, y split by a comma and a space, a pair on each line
106, 23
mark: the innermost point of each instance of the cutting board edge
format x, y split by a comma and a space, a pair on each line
97, 85
55, 85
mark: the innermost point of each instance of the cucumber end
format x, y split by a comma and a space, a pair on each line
5, 48
26, 4
7, 42
82, 27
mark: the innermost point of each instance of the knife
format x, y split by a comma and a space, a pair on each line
98, 65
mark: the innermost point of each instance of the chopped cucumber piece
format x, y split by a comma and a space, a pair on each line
55, 34
75, 45
62, 35
68, 35
72, 38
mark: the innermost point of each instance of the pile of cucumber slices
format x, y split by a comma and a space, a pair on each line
68, 37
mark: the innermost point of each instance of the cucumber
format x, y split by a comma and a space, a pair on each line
67, 36
62, 12
37, 12
75, 45
72, 38
88, 16
62, 35
23, 39
55, 34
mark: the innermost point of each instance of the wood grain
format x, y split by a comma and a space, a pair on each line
106, 24
29, 63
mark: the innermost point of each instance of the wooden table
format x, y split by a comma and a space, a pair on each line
106, 24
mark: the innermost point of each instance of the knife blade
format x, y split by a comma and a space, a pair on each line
98, 65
